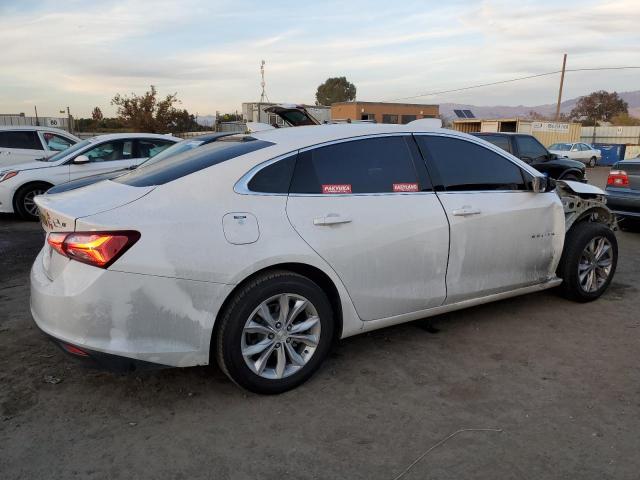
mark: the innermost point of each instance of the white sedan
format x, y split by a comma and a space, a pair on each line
260, 251
577, 151
20, 183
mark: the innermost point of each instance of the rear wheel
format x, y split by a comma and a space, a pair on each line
592, 162
588, 261
24, 203
275, 332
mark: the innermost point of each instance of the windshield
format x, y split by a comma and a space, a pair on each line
60, 155
180, 147
565, 147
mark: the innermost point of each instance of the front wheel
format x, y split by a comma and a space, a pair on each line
275, 332
588, 261
592, 162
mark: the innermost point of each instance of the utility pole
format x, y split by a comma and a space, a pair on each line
564, 64
69, 121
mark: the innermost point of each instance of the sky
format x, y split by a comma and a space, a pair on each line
79, 54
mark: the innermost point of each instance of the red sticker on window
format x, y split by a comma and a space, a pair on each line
337, 188
405, 187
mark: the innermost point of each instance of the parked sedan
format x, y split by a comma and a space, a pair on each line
577, 151
259, 251
20, 183
180, 147
623, 189
26, 144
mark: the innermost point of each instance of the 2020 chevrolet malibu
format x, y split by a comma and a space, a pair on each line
259, 251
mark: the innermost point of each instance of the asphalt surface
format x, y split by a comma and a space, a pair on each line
557, 382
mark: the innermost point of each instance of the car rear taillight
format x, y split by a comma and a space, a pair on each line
618, 178
99, 249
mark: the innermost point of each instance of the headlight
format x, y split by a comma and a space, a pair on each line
7, 174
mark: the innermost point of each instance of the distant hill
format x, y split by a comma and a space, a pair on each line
505, 111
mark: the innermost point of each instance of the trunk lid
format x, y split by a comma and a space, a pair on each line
59, 212
294, 115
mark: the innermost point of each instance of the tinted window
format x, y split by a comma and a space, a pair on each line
274, 178
20, 139
408, 118
110, 151
55, 142
192, 161
386, 118
183, 146
373, 165
529, 148
151, 147
500, 141
463, 165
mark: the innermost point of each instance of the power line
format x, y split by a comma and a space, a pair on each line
512, 80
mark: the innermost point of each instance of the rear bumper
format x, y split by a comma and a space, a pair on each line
142, 318
626, 204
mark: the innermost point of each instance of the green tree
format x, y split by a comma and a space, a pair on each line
599, 106
96, 114
147, 113
625, 120
335, 89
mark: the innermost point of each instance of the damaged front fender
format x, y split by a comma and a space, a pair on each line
584, 202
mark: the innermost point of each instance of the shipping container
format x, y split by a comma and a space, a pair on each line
546, 132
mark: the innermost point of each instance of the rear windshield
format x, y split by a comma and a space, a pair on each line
565, 147
192, 161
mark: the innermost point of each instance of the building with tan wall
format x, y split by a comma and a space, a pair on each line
381, 112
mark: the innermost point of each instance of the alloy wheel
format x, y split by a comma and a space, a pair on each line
594, 266
280, 336
29, 204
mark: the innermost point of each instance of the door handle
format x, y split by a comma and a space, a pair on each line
466, 211
331, 219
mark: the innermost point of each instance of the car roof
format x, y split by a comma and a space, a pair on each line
502, 133
301, 137
34, 127
209, 137
120, 136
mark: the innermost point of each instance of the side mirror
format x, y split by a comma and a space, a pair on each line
542, 184
81, 159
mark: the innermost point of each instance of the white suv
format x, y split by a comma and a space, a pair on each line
259, 251
25, 144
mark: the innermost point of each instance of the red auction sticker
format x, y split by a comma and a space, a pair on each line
405, 187
337, 188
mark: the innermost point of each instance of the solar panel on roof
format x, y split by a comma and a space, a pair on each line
468, 114
459, 113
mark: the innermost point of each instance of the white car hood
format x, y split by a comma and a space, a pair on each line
27, 165
579, 187
59, 211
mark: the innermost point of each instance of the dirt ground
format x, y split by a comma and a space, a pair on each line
559, 380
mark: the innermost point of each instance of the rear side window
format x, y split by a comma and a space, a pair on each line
274, 178
192, 161
20, 139
462, 165
499, 141
374, 165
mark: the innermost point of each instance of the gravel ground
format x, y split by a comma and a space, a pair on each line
558, 381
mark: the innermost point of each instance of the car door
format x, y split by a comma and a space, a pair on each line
19, 146
503, 235
105, 157
367, 208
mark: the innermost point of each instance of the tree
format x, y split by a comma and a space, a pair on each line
146, 113
599, 106
625, 120
96, 114
335, 89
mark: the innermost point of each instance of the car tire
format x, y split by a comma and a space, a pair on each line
586, 266
252, 338
593, 161
571, 177
23, 200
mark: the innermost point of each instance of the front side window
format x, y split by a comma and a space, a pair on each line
373, 165
461, 165
55, 142
530, 149
110, 151
22, 139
